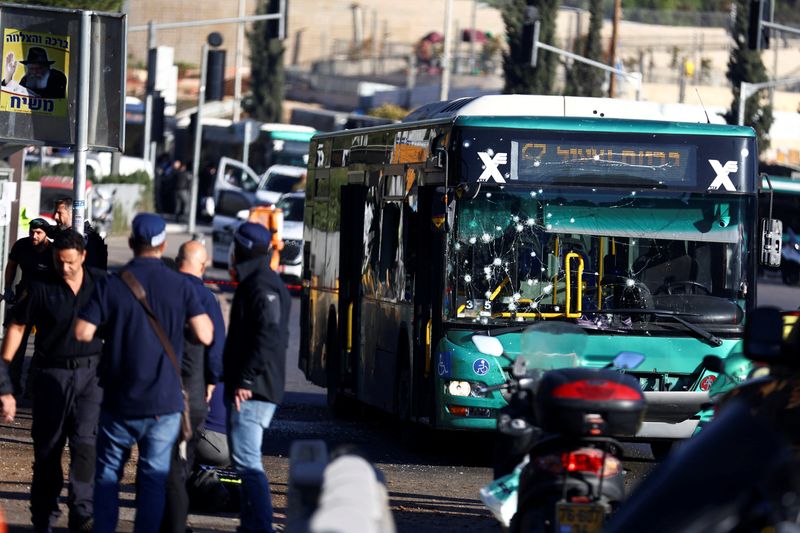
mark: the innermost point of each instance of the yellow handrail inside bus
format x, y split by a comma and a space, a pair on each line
350, 327
600, 273
577, 313
428, 335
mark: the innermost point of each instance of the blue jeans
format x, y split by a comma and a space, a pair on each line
245, 435
115, 437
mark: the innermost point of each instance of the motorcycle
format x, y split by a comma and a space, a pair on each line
741, 472
566, 418
103, 211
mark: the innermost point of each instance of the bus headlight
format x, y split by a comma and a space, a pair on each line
465, 388
459, 388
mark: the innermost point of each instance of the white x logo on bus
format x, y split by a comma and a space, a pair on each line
491, 163
723, 178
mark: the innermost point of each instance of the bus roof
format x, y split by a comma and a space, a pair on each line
605, 124
561, 112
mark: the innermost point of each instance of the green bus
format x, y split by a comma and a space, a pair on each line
475, 218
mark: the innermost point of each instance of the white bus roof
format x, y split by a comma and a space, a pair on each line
561, 106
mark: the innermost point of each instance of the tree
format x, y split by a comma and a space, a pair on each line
520, 76
583, 79
746, 65
266, 67
95, 5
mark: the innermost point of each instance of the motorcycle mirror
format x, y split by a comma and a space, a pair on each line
763, 335
712, 363
628, 360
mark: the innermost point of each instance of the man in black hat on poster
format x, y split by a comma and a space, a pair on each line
39, 79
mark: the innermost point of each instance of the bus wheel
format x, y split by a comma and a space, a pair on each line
403, 394
333, 370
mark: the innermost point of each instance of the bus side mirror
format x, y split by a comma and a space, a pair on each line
771, 236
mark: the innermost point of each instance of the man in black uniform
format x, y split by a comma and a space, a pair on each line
66, 391
33, 257
96, 249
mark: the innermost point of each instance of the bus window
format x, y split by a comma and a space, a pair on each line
390, 229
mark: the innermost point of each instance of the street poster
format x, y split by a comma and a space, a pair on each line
35, 72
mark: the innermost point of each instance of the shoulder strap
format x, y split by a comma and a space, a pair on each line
139, 293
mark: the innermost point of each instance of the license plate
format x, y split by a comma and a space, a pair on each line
579, 517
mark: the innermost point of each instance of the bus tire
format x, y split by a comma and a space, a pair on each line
402, 393
333, 369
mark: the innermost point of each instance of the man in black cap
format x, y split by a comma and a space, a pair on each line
254, 366
39, 79
33, 257
142, 398
67, 396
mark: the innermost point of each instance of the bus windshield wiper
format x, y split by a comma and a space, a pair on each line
665, 313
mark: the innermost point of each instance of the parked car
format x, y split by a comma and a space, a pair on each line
238, 188
291, 266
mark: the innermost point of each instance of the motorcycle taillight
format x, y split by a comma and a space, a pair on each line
590, 460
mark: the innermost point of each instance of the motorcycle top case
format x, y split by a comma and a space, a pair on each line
589, 402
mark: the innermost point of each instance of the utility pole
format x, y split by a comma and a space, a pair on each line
237, 76
612, 52
448, 21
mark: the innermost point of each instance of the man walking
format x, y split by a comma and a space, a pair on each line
200, 370
183, 190
142, 399
33, 257
254, 367
66, 401
96, 249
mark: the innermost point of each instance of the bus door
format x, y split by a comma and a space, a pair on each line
353, 198
430, 240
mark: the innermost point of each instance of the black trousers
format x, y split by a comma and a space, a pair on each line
66, 405
176, 509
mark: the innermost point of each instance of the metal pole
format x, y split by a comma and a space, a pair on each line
743, 90
82, 123
636, 77
612, 54
148, 124
237, 76
148, 102
198, 136
444, 90
282, 20
472, 36
248, 127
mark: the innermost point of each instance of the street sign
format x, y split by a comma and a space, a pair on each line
40, 64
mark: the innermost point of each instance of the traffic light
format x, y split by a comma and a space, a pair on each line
157, 118
215, 82
529, 36
758, 35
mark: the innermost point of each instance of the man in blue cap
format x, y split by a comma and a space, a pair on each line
142, 399
254, 366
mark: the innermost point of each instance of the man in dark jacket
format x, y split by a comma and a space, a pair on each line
200, 370
254, 366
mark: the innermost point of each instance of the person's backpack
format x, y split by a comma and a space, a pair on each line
212, 490
96, 250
